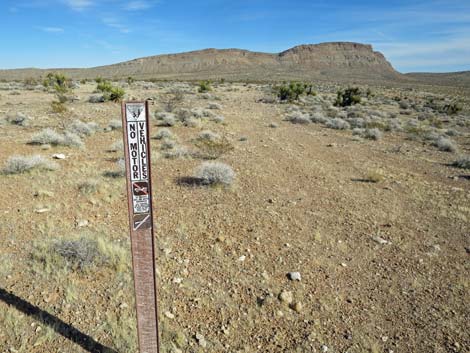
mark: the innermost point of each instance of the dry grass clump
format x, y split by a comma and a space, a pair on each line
23, 164
176, 152
374, 176
116, 146
211, 145
80, 253
165, 119
208, 135
373, 134
51, 137
215, 173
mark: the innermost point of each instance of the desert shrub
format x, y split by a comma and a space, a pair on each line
451, 108
318, 118
445, 144
58, 107
182, 114
164, 134
462, 162
290, 92
192, 122
208, 135
83, 129
373, 134
214, 106
96, 98
168, 144
23, 164
117, 146
374, 176
358, 131
114, 124
218, 119
176, 152
89, 186
47, 137
204, 86
51, 137
19, 119
298, 118
59, 82
81, 253
130, 80
348, 97
119, 172
167, 120
210, 147
110, 92
215, 173
338, 124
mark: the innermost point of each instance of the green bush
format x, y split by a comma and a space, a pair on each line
110, 92
204, 86
58, 81
347, 97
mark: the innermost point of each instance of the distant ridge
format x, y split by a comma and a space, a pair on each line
337, 61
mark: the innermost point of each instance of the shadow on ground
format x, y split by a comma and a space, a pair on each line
59, 326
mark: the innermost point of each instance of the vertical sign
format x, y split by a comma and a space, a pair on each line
139, 193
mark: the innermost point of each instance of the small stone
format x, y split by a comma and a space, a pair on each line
177, 280
297, 307
380, 240
123, 306
38, 329
169, 315
42, 210
201, 340
344, 264
58, 156
242, 258
82, 223
294, 276
324, 348
286, 297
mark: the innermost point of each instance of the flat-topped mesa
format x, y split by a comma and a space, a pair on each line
340, 55
335, 61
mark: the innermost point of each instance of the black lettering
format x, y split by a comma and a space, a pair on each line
133, 146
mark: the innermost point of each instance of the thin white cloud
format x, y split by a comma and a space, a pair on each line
51, 29
138, 5
79, 4
116, 24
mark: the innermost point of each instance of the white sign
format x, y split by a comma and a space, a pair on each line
137, 144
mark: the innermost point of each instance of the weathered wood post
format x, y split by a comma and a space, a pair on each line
135, 122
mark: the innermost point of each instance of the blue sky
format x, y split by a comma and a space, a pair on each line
413, 35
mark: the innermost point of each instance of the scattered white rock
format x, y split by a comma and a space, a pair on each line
294, 276
380, 240
42, 210
242, 258
201, 340
286, 296
169, 315
58, 156
82, 223
177, 280
324, 348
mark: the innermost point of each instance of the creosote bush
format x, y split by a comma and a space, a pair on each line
215, 173
23, 164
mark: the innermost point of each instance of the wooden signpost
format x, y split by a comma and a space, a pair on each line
135, 122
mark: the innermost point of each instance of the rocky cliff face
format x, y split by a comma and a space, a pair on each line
334, 61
